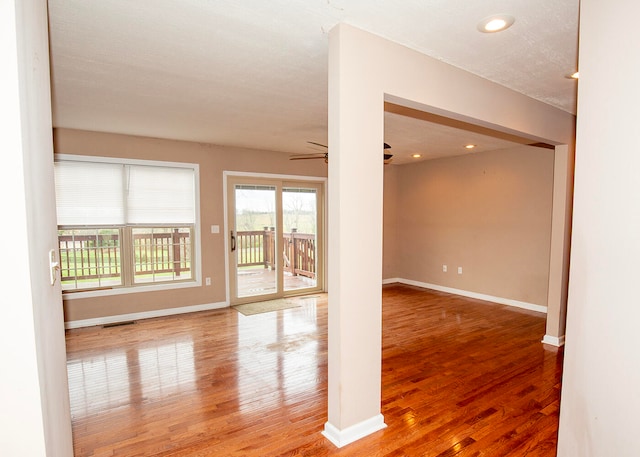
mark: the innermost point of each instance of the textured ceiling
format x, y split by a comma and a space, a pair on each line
253, 73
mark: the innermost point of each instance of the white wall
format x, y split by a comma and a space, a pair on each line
488, 213
35, 419
21, 429
601, 381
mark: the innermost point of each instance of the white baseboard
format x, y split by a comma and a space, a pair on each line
391, 280
143, 315
466, 293
353, 433
553, 340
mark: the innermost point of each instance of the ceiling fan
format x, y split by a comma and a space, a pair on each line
325, 155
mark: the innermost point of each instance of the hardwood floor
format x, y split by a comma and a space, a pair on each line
460, 377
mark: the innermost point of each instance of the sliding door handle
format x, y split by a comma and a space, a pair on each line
233, 242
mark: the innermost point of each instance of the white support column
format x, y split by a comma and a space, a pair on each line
364, 71
355, 247
560, 243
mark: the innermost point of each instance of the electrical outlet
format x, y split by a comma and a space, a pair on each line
207, 281
444, 268
459, 270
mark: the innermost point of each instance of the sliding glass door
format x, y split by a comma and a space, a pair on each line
275, 238
253, 240
299, 237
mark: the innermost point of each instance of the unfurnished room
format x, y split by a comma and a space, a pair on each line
328, 228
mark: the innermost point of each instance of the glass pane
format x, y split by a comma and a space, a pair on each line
256, 244
161, 254
299, 207
89, 258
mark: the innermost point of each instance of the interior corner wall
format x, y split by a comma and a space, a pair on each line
212, 161
488, 213
601, 373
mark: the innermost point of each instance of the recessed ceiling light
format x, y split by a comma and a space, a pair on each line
416, 156
470, 146
496, 23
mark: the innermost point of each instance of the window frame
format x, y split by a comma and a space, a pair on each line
196, 252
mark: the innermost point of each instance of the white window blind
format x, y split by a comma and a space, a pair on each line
95, 193
89, 193
160, 195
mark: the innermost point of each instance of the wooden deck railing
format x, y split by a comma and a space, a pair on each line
258, 247
162, 252
90, 257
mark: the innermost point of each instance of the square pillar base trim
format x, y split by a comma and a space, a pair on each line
553, 340
353, 433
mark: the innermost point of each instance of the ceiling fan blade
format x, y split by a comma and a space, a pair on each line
317, 155
317, 144
542, 145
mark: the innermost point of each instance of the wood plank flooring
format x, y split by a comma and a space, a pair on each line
460, 377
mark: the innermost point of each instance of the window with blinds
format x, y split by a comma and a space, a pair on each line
123, 224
